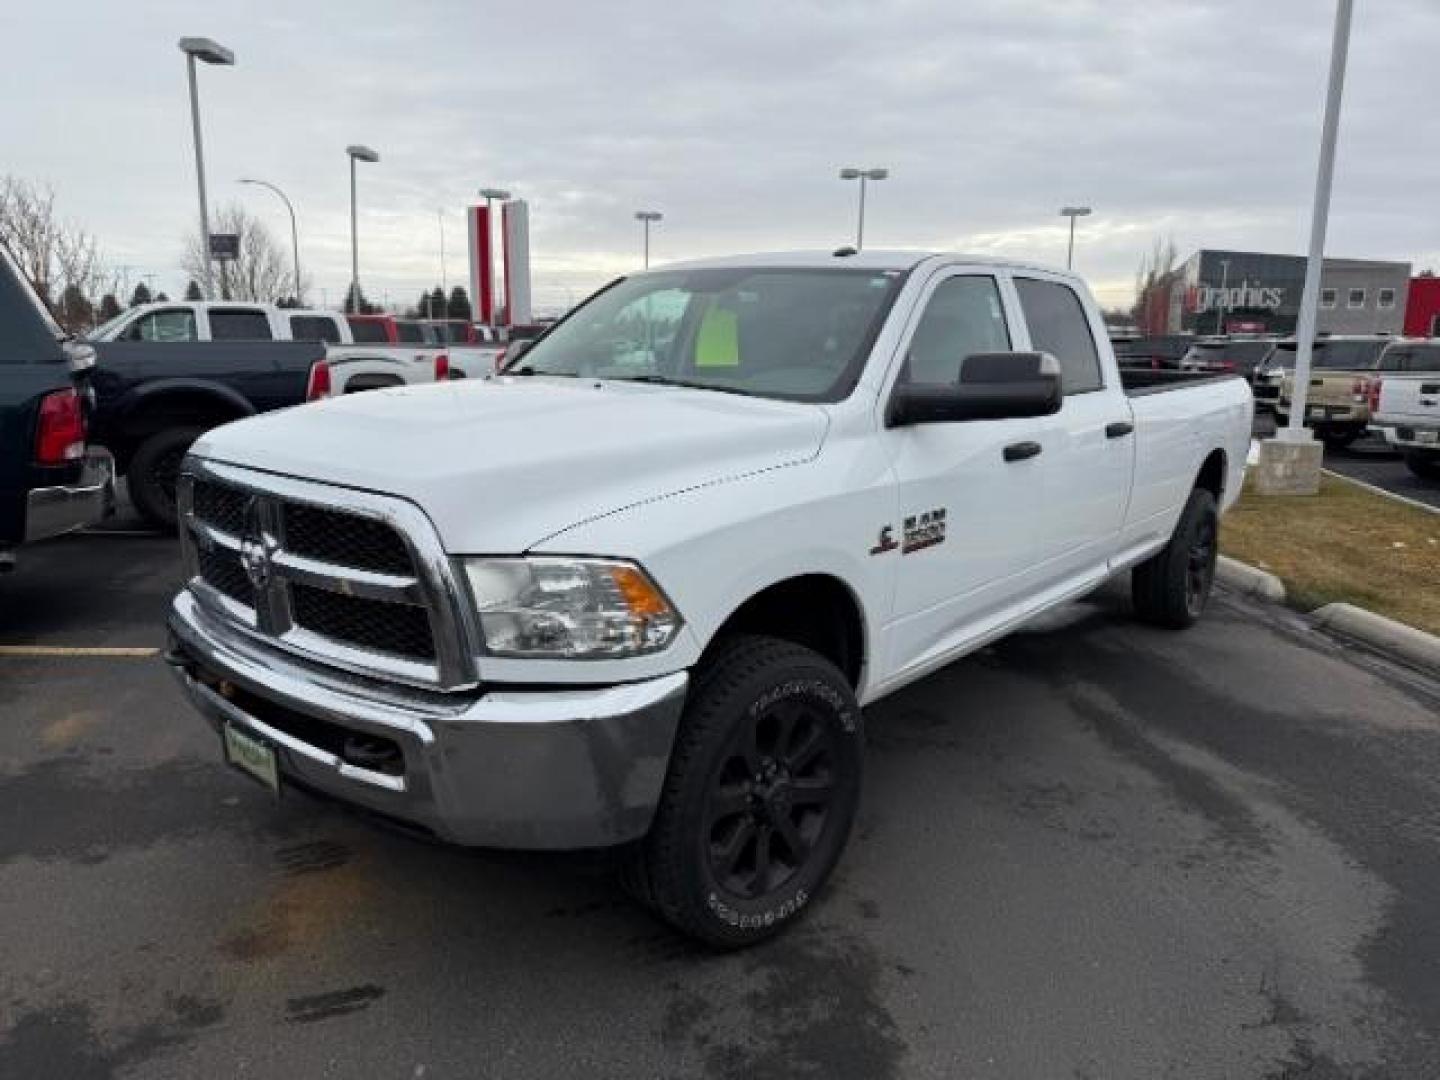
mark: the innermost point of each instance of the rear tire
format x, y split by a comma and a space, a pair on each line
1424, 465
154, 471
1172, 587
1339, 440
762, 791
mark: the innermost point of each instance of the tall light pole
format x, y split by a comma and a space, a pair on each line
1319, 220
356, 153
862, 175
444, 288
645, 217
1072, 212
209, 52
294, 231
492, 195
1222, 302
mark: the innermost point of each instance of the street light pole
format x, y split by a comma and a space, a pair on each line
208, 51
862, 175
491, 195
645, 217
1320, 218
1073, 212
444, 287
356, 153
294, 231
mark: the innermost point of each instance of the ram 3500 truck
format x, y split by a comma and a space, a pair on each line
636, 589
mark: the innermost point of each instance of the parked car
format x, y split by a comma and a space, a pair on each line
1232, 355
1338, 401
155, 397
1156, 352
50, 482
1405, 403
461, 332
649, 612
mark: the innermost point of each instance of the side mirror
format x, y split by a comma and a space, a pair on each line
992, 386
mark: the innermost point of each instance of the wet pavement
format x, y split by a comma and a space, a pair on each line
1095, 850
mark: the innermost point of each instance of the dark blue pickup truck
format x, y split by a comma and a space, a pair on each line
49, 482
154, 398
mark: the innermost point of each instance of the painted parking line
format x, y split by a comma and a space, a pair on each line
33, 651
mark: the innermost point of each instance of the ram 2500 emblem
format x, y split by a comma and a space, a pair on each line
924, 530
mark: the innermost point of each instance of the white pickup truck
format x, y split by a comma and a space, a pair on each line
636, 589
357, 363
1406, 405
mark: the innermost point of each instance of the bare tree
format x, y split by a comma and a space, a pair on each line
261, 273
59, 257
1152, 284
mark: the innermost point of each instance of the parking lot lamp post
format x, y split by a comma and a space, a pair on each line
862, 175
645, 217
492, 195
1320, 217
356, 153
209, 52
294, 231
1072, 212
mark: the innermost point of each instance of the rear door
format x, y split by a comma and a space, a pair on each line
1089, 445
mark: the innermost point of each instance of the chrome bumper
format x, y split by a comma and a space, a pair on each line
53, 511
551, 769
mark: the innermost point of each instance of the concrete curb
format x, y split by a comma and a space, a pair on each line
1386, 635
1249, 580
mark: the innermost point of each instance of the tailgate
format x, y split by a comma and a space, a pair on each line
1410, 401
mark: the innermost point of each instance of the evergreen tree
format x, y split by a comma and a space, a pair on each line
438, 306
76, 312
141, 295
161, 298
364, 307
459, 306
109, 307
192, 291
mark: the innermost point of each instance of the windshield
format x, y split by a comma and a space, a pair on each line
1333, 355
793, 334
1414, 357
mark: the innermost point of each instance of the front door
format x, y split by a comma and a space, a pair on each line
966, 534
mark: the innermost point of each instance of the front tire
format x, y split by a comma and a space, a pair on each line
1339, 440
155, 470
762, 791
1172, 587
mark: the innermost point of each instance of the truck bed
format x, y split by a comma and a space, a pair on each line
1140, 381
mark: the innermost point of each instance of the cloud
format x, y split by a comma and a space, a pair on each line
1196, 119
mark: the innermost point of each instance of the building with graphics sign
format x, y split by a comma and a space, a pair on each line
1252, 292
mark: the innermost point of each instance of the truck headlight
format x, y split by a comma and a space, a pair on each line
553, 607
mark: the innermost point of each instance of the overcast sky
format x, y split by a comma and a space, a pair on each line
1193, 118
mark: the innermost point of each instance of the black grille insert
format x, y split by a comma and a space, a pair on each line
222, 570
220, 506
345, 539
398, 629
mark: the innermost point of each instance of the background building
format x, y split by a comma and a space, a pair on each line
1422, 309
1216, 292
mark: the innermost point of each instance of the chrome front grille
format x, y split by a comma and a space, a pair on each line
352, 579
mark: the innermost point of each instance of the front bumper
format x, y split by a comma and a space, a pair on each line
53, 511
540, 768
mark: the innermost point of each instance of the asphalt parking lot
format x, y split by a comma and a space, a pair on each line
1093, 851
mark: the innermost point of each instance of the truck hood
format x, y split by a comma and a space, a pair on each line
501, 464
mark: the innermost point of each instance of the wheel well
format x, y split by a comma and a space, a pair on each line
176, 409
814, 610
1212, 474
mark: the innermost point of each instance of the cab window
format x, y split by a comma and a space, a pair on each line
964, 317
314, 328
1058, 326
167, 324
239, 324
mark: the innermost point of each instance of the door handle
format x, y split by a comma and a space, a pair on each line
1119, 429
1021, 450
